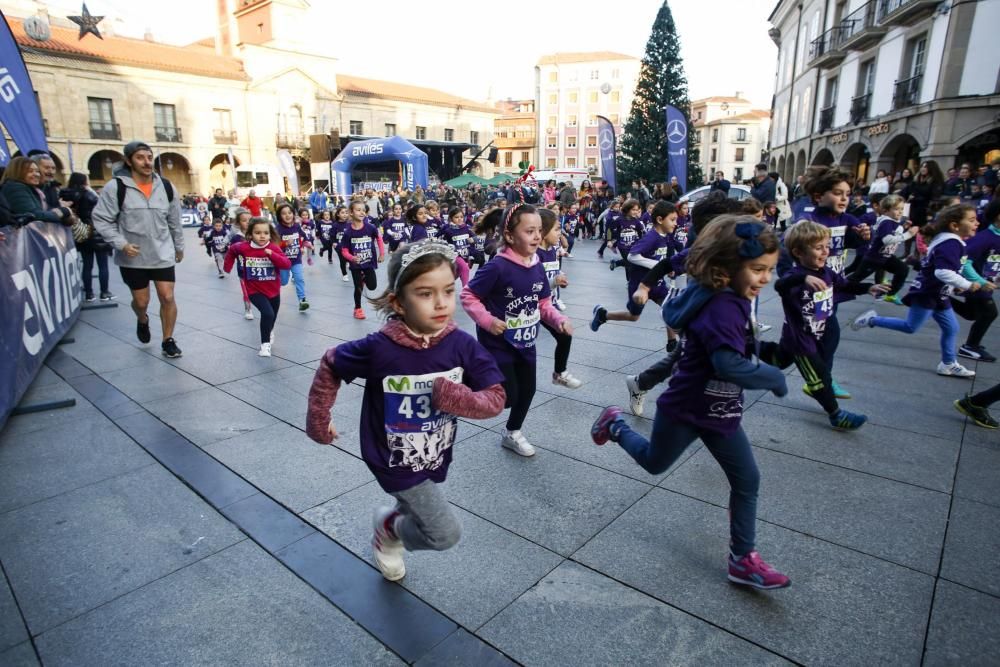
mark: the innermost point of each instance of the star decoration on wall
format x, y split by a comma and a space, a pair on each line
87, 22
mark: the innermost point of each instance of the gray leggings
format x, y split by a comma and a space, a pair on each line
427, 522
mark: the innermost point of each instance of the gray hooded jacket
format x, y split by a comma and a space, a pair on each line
154, 224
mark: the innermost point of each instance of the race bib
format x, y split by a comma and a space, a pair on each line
991, 269
417, 435
258, 268
522, 329
822, 304
551, 268
291, 245
837, 239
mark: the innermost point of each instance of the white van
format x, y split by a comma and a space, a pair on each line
262, 178
572, 174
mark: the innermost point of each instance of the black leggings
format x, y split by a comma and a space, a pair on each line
812, 368
268, 308
981, 312
893, 265
986, 397
327, 247
362, 278
563, 342
519, 383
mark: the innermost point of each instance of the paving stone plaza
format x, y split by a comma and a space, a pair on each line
178, 514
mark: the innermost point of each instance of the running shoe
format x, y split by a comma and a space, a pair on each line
864, 320
565, 379
893, 298
672, 345
600, 432
170, 349
611, 266
303, 305
752, 571
387, 549
265, 350
90, 298
142, 331
107, 296
955, 370
248, 314
636, 396
840, 392
359, 314
344, 278
981, 416
842, 420
600, 317
976, 352
221, 275
517, 443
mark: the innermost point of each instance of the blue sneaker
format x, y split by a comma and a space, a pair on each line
600, 317
842, 420
600, 432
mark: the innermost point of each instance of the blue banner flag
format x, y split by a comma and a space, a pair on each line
609, 149
40, 299
19, 110
677, 142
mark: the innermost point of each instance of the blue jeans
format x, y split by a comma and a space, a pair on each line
669, 440
300, 282
915, 319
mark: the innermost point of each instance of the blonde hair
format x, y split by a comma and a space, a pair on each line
803, 234
890, 201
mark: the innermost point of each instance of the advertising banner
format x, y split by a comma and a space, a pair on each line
609, 149
677, 142
40, 298
19, 110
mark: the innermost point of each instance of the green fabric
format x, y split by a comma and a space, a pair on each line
22, 198
464, 180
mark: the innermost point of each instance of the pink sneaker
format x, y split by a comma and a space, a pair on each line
600, 432
752, 571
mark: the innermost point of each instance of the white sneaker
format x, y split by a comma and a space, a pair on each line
636, 396
265, 350
863, 320
248, 314
345, 278
559, 305
387, 549
566, 380
763, 328
955, 370
517, 443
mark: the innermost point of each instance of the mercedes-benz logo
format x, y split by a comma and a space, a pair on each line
676, 131
606, 140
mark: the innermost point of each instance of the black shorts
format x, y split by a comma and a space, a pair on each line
139, 278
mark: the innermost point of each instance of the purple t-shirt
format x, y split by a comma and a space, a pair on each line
550, 261
338, 230
511, 293
839, 226
459, 237
696, 395
325, 229
404, 440
219, 240
807, 310
362, 244
656, 247
630, 230
420, 232
292, 239
395, 229
879, 251
926, 290
983, 251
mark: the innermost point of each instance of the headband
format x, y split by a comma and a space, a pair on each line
749, 232
421, 249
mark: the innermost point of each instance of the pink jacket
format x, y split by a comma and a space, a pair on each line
484, 318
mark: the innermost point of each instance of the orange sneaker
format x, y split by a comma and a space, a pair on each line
359, 314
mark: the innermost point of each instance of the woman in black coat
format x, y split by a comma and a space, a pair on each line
83, 201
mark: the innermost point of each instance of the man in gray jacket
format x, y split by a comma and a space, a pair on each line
144, 227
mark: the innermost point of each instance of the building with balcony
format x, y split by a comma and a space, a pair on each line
730, 135
256, 87
571, 91
884, 84
515, 135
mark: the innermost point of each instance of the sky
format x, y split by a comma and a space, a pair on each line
474, 49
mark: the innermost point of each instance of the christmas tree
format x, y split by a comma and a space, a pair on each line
661, 82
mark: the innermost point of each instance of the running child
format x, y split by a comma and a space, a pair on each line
258, 262
324, 232
204, 231
341, 221
357, 246
983, 251
889, 232
570, 225
292, 239
630, 230
434, 221
807, 291
930, 292
394, 228
421, 373
656, 245
309, 232
238, 233
218, 240
507, 299
548, 255
729, 264
608, 221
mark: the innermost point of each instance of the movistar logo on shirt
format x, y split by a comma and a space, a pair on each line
418, 384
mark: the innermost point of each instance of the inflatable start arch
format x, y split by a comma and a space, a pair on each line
412, 159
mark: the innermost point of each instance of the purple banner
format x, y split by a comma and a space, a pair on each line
609, 149
19, 110
677, 142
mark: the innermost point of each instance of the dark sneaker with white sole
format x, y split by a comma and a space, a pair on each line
170, 349
142, 331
